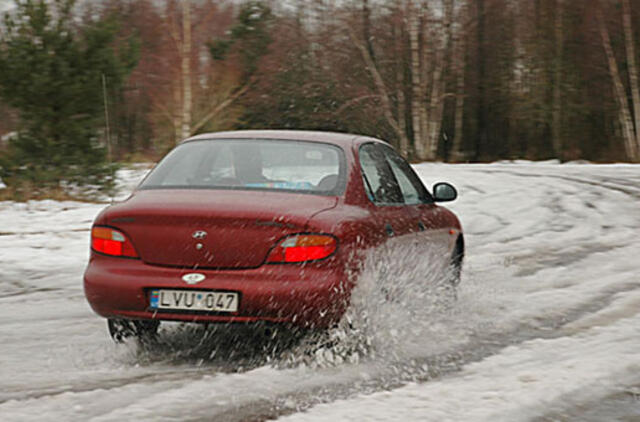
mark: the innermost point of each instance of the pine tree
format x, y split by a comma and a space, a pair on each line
51, 69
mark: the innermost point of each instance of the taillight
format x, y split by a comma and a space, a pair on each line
302, 248
111, 242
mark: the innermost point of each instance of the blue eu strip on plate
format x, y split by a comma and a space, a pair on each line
155, 297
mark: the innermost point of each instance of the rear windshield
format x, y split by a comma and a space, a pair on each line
251, 164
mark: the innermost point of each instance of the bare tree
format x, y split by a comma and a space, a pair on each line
192, 90
632, 69
557, 80
381, 88
624, 115
185, 53
437, 97
398, 40
416, 85
459, 69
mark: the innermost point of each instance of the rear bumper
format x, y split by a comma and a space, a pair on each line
314, 296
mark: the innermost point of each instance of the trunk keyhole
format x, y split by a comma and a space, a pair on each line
389, 230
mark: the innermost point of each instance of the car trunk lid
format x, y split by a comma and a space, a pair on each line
229, 229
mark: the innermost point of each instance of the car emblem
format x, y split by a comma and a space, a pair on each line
193, 278
200, 234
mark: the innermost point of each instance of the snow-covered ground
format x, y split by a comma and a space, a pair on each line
546, 325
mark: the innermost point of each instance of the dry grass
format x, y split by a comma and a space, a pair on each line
27, 191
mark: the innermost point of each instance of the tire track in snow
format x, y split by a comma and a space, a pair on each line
105, 384
626, 188
623, 405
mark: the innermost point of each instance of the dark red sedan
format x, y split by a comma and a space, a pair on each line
258, 226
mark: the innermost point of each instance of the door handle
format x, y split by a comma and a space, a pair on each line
389, 230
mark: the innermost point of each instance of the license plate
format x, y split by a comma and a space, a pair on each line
194, 300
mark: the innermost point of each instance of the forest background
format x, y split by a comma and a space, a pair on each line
446, 80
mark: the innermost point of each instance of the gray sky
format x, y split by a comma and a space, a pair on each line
5, 4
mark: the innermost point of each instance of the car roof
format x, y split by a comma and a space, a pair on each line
344, 140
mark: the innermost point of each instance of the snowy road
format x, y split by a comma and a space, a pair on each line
546, 326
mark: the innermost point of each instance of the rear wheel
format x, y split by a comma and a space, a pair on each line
456, 266
456, 261
122, 329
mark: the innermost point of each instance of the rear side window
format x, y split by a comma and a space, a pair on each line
380, 183
252, 164
413, 191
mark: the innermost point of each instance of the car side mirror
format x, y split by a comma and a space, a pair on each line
444, 192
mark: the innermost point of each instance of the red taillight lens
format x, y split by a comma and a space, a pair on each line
302, 248
111, 242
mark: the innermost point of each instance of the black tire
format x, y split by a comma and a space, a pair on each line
122, 329
456, 262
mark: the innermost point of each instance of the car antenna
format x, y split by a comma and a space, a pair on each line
106, 119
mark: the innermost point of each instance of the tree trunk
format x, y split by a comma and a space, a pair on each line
366, 28
620, 94
177, 112
459, 66
436, 102
185, 52
556, 113
425, 57
435, 106
481, 130
401, 106
416, 100
633, 70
